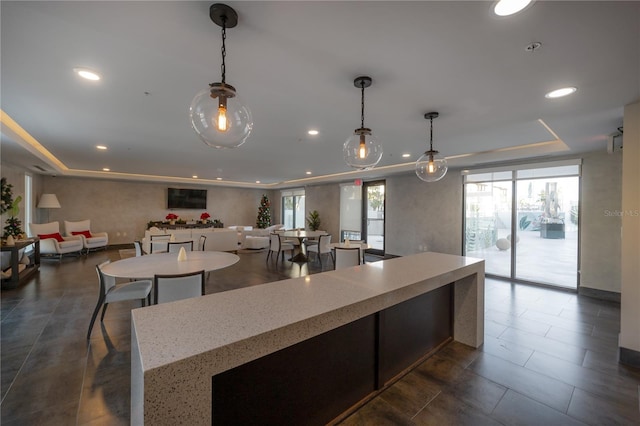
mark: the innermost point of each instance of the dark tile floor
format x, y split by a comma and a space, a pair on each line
549, 358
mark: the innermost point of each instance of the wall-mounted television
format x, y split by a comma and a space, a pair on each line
186, 198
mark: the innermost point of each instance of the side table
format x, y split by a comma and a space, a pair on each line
18, 277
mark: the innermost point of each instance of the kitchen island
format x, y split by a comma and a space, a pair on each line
303, 350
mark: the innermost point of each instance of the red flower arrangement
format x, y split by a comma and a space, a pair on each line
171, 216
205, 216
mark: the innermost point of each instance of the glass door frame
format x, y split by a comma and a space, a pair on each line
365, 216
514, 214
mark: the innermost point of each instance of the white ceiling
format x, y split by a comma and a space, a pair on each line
294, 63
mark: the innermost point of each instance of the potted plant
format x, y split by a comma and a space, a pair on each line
204, 217
314, 220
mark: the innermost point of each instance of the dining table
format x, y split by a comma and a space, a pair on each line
147, 266
302, 256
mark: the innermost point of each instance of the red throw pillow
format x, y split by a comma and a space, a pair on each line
57, 236
87, 234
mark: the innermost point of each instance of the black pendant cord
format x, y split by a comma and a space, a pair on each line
362, 106
223, 68
431, 137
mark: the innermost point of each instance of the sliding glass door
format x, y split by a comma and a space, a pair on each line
524, 222
488, 224
547, 243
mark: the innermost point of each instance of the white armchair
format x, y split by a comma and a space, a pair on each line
90, 240
52, 243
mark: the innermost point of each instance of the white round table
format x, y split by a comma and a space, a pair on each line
145, 267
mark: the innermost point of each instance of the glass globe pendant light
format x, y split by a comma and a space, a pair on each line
362, 150
428, 167
217, 113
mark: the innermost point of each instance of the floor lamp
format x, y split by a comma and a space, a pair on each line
48, 201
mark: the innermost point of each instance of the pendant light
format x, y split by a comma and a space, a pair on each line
217, 114
428, 167
362, 150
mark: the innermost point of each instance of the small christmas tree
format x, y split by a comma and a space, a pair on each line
264, 213
14, 225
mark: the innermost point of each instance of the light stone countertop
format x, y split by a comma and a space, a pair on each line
185, 343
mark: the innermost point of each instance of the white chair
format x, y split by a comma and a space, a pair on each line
169, 288
174, 247
52, 243
201, 242
313, 241
277, 245
110, 292
346, 257
363, 245
138, 246
158, 243
90, 240
322, 247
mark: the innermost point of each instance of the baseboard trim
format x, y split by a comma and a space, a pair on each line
629, 357
610, 296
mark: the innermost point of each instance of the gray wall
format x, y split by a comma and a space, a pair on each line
424, 216
325, 199
123, 208
600, 240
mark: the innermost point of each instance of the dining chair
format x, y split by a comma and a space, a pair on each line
345, 257
362, 247
174, 247
201, 242
313, 241
112, 292
277, 245
168, 288
322, 247
158, 243
138, 246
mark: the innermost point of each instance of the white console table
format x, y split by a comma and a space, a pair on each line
180, 349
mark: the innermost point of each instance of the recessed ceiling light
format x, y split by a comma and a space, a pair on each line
308, 172
195, 176
102, 147
87, 74
106, 169
565, 91
509, 7
218, 178
313, 132
406, 155
257, 181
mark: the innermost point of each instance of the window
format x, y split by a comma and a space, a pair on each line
350, 212
293, 208
28, 200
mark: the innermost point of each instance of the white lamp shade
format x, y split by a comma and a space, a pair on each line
49, 201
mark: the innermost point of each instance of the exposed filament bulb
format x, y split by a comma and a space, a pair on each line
362, 152
222, 114
431, 167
